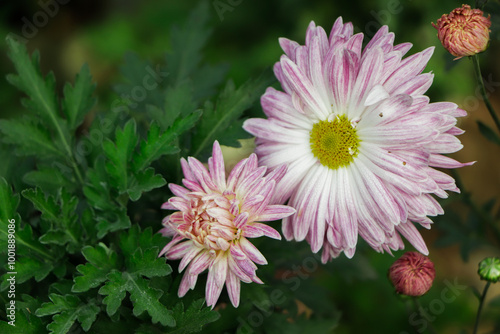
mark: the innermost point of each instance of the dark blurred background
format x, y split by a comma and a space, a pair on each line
245, 35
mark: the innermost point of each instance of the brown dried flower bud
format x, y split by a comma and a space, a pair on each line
412, 274
464, 32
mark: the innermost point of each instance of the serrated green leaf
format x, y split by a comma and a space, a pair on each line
58, 303
147, 263
146, 298
46, 205
30, 80
25, 241
488, 133
25, 320
56, 237
27, 268
101, 260
97, 191
194, 318
115, 291
62, 215
120, 154
8, 210
187, 44
134, 239
50, 179
112, 221
78, 100
229, 107
154, 147
144, 182
29, 138
158, 145
67, 310
41, 91
178, 102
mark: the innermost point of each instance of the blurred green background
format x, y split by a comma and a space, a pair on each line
245, 35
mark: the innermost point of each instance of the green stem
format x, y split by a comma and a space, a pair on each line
477, 70
481, 303
418, 309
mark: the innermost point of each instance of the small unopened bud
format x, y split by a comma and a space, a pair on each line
464, 32
412, 274
489, 269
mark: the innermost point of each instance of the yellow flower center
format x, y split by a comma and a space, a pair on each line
335, 143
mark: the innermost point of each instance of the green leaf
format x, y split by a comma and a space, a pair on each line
41, 91
488, 133
146, 298
25, 241
46, 205
147, 263
115, 291
187, 44
140, 251
229, 107
156, 146
97, 191
142, 296
48, 178
8, 210
30, 80
29, 138
101, 260
27, 268
120, 154
194, 318
135, 239
25, 322
144, 182
67, 310
65, 228
112, 221
178, 102
78, 100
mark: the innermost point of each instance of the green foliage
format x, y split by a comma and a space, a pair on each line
185, 323
87, 187
220, 121
66, 310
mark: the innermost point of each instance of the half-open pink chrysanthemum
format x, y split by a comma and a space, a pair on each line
215, 219
359, 138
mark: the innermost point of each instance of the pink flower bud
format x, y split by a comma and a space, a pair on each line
464, 32
412, 274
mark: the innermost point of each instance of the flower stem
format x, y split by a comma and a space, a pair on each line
419, 310
481, 303
477, 70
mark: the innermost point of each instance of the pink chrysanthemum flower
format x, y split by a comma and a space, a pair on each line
359, 138
464, 32
215, 220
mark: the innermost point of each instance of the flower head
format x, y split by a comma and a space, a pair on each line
412, 274
489, 269
215, 219
464, 32
359, 138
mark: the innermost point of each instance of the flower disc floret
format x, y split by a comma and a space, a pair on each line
335, 142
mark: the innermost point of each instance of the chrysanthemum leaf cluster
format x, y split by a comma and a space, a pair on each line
82, 175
